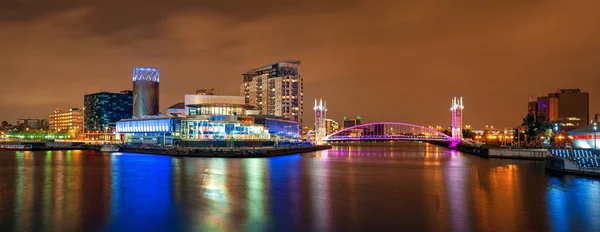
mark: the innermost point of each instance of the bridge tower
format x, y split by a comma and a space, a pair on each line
320, 116
457, 108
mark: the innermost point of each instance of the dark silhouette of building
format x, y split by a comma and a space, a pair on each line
104, 109
568, 107
145, 91
350, 122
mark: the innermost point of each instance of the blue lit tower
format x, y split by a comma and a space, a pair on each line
145, 91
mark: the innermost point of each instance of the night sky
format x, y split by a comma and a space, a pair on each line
385, 60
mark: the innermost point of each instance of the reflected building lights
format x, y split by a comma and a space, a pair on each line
255, 169
320, 189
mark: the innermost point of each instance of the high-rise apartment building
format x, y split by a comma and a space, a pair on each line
66, 120
568, 107
276, 89
103, 110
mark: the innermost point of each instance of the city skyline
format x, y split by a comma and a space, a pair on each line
404, 69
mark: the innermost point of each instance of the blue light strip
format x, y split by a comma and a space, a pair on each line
146, 126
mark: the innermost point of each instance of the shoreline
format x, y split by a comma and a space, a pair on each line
258, 152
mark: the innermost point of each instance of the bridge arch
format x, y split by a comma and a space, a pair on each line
387, 131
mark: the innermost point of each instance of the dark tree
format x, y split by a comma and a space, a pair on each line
535, 126
468, 134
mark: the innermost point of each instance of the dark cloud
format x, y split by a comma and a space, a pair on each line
110, 17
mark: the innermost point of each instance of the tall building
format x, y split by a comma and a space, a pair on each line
276, 89
568, 107
102, 110
145, 91
66, 120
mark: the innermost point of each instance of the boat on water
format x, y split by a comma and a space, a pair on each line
15, 147
110, 148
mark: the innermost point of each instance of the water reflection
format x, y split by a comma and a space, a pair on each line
255, 181
407, 188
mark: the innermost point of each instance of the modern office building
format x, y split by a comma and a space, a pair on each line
568, 107
30, 123
103, 110
350, 122
275, 89
66, 120
145, 91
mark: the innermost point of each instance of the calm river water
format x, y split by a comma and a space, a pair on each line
410, 187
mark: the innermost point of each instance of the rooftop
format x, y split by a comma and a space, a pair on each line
269, 66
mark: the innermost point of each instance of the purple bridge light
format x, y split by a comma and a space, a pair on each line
388, 131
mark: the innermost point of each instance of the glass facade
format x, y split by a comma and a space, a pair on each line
285, 129
217, 109
159, 125
103, 110
192, 129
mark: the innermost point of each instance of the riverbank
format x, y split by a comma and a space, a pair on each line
246, 152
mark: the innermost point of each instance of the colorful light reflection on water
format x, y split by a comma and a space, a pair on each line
414, 187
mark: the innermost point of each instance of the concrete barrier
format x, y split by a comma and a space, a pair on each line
535, 154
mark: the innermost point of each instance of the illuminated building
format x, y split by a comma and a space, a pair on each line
320, 116
103, 110
150, 130
331, 126
568, 107
208, 119
215, 105
145, 91
350, 122
275, 89
457, 108
66, 120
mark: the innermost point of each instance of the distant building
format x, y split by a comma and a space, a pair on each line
66, 120
350, 122
568, 107
44, 124
275, 89
104, 109
532, 108
30, 123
